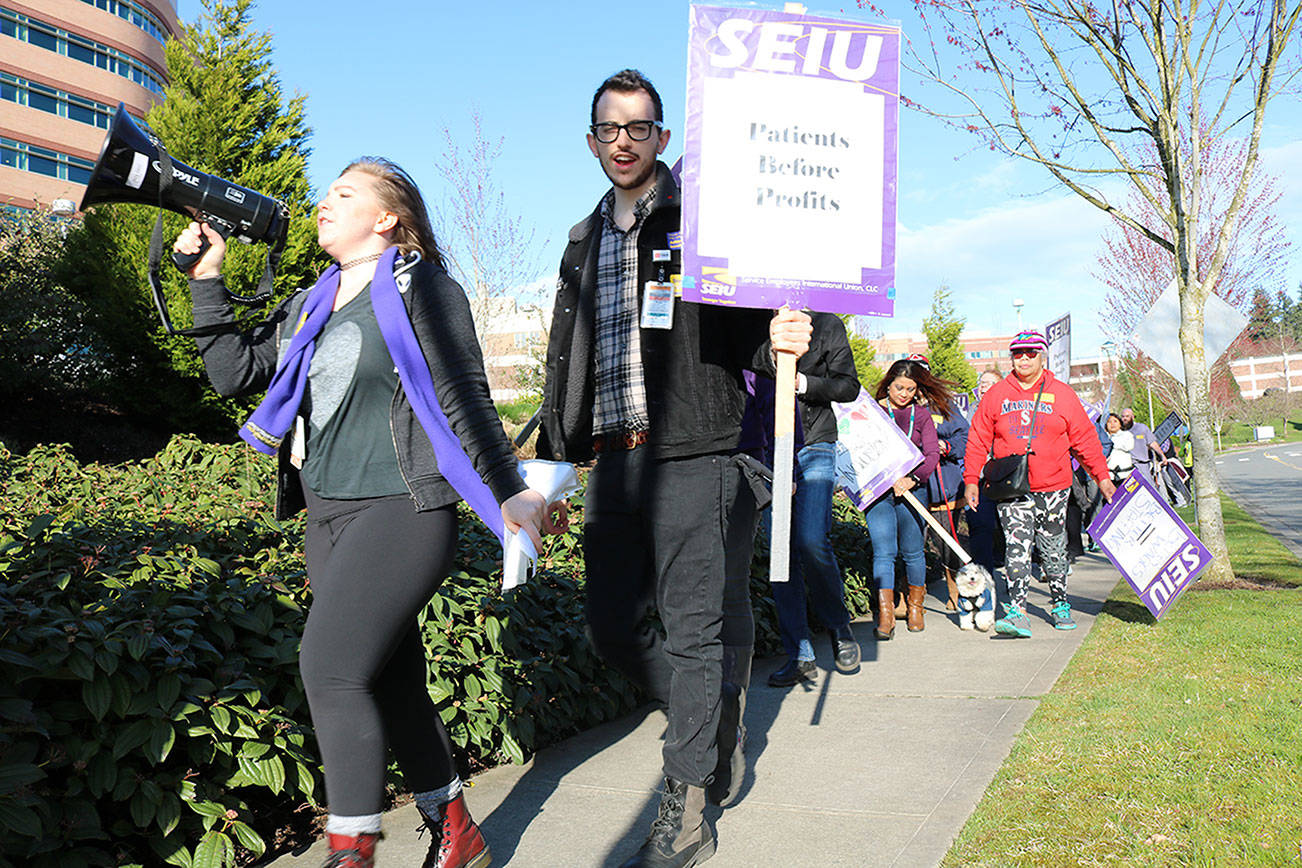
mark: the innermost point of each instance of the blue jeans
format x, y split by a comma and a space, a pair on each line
895, 528
813, 562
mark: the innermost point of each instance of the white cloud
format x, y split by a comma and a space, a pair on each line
1040, 250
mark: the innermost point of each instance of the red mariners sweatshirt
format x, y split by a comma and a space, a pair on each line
1003, 418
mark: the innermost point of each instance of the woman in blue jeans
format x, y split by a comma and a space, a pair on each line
893, 526
825, 374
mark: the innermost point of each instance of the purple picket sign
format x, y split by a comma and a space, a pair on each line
1156, 552
872, 451
789, 164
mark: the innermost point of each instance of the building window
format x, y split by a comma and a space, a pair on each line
77, 47
43, 161
129, 10
56, 102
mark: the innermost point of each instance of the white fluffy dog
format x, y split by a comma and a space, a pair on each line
976, 597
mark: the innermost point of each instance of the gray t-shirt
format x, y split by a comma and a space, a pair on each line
1143, 439
351, 384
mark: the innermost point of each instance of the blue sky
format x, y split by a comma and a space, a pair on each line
387, 79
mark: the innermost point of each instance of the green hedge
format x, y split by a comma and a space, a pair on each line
150, 613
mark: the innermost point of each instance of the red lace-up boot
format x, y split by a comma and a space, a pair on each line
351, 851
457, 843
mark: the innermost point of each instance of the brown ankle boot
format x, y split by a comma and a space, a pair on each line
917, 596
457, 843
351, 851
886, 614
951, 605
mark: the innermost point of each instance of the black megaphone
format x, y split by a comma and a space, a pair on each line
134, 166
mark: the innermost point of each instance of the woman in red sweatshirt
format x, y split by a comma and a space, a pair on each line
1002, 426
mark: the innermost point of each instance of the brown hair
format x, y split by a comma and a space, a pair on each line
628, 81
399, 195
936, 392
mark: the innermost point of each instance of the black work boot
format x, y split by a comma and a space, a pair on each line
730, 738
680, 837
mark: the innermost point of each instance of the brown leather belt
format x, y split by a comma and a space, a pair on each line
619, 441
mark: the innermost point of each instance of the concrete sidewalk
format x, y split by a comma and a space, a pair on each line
878, 768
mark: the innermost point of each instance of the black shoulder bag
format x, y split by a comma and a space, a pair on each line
1009, 477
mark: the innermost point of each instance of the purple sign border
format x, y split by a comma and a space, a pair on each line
885, 477
763, 292
1185, 574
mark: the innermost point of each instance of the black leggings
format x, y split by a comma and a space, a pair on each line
373, 565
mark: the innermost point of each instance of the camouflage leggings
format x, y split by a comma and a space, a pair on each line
1039, 518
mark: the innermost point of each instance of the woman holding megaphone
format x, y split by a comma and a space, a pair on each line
378, 408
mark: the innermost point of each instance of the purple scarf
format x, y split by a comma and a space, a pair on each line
266, 428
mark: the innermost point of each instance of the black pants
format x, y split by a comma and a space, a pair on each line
671, 533
373, 564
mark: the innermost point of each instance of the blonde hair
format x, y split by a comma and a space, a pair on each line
399, 195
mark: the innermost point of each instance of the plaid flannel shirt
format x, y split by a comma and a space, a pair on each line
620, 401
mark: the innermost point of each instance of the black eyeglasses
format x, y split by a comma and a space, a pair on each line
639, 131
1025, 354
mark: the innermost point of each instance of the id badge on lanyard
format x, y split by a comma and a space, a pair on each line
658, 295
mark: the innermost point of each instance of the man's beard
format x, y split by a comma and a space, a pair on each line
1126, 426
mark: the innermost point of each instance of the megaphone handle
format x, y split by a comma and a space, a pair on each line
187, 261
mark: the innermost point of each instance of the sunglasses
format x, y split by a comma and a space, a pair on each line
1025, 354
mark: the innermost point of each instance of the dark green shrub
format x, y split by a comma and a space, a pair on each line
150, 615
150, 708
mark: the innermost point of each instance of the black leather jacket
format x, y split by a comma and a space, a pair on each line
830, 376
241, 362
694, 388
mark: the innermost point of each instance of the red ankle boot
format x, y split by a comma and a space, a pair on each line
457, 843
351, 851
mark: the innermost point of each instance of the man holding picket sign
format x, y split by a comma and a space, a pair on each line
652, 386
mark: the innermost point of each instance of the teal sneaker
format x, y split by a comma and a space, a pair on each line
1014, 623
1061, 613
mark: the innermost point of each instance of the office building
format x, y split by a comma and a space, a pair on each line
64, 67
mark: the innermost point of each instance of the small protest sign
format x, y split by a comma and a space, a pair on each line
1156, 552
1169, 426
872, 452
1058, 336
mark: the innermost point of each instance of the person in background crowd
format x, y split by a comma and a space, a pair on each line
985, 536
944, 485
1145, 445
1084, 500
378, 408
1030, 395
893, 526
652, 386
824, 374
1121, 459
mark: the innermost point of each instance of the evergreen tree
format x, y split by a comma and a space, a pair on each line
1261, 317
943, 329
223, 113
1288, 315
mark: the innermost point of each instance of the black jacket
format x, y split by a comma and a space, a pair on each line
829, 376
694, 388
241, 362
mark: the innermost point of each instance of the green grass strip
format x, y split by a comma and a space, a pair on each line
1171, 743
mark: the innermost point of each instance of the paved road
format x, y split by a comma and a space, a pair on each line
1267, 482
